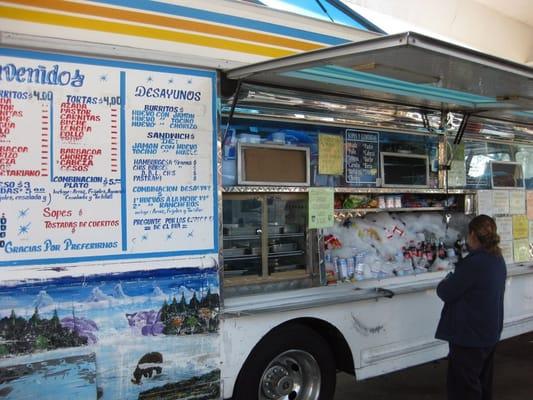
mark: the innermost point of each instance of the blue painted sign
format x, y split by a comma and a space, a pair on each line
105, 160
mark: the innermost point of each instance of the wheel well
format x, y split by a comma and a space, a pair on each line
337, 343
301, 335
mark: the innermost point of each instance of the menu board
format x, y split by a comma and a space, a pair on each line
362, 156
104, 160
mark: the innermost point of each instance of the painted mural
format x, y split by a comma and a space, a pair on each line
135, 335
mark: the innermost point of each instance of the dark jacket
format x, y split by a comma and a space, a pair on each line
473, 301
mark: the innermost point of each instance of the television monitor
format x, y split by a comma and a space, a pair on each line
267, 164
506, 175
404, 170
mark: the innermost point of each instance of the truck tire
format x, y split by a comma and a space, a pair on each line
291, 363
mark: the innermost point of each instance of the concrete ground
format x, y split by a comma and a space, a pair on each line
513, 378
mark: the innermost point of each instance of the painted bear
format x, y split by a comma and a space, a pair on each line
147, 365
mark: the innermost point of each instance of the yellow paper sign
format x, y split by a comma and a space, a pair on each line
520, 227
521, 250
330, 154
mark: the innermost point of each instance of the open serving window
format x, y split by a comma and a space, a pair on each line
379, 123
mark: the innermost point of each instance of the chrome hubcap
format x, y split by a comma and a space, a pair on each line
293, 375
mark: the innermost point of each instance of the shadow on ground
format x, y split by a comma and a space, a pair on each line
513, 379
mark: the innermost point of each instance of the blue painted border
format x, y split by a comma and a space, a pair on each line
214, 114
51, 141
135, 66
210, 16
139, 256
123, 203
110, 277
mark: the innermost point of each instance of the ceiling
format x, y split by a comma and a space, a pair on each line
521, 10
500, 27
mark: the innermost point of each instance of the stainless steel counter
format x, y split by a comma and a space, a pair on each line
342, 293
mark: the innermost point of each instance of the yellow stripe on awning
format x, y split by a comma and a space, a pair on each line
168, 22
40, 17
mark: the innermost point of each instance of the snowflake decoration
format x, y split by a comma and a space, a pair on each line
171, 80
103, 78
150, 79
169, 236
23, 213
24, 229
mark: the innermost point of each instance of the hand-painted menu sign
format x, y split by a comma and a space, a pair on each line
362, 156
104, 160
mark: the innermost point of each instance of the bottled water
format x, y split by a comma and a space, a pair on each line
360, 260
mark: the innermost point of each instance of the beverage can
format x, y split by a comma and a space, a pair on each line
342, 268
351, 267
398, 201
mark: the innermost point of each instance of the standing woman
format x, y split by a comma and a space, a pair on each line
472, 317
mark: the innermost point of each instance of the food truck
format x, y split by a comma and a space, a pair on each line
219, 202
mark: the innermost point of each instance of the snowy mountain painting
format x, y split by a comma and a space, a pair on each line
146, 335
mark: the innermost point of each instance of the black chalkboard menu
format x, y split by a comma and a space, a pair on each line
362, 156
